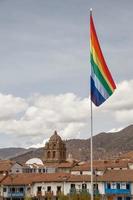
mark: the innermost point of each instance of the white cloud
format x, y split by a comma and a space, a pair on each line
39, 115
124, 116
66, 112
38, 145
122, 99
10, 106
117, 111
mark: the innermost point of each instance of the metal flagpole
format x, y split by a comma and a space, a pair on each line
91, 139
91, 151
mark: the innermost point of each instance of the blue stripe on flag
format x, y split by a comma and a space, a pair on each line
96, 96
99, 86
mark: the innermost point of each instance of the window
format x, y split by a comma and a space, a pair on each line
113, 186
39, 170
118, 186
127, 186
21, 190
13, 190
123, 185
72, 186
43, 170
48, 154
81, 172
64, 155
108, 186
39, 189
58, 188
95, 186
119, 198
49, 188
54, 153
4, 189
84, 186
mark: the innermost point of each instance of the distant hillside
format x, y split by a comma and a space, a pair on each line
106, 145
36, 153
6, 153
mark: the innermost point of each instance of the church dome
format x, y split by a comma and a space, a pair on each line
55, 137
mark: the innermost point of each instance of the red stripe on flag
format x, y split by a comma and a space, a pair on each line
95, 44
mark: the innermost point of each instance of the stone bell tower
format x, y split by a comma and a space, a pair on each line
55, 149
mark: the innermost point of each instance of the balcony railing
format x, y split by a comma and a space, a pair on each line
117, 191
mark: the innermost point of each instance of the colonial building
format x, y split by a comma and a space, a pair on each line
112, 185
55, 149
8, 166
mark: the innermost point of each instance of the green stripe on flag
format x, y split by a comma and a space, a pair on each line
100, 76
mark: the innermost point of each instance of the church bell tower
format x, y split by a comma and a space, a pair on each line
55, 149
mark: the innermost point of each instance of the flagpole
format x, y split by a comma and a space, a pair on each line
102, 84
91, 139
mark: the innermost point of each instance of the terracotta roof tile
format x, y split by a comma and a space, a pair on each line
65, 165
108, 176
5, 165
79, 178
117, 175
102, 165
29, 178
127, 155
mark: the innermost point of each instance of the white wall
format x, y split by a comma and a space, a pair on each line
86, 172
45, 185
75, 172
16, 168
65, 187
101, 187
131, 188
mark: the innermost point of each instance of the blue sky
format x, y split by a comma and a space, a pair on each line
44, 57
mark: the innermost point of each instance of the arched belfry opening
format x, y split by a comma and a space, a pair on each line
55, 149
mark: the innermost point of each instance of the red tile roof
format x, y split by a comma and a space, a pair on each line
108, 176
5, 165
66, 165
102, 165
117, 175
29, 178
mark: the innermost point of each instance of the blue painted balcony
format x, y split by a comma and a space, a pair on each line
118, 189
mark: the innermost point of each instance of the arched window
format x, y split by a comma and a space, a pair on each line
54, 153
64, 155
84, 186
48, 154
54, 145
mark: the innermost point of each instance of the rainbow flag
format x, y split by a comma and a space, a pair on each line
102, 84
